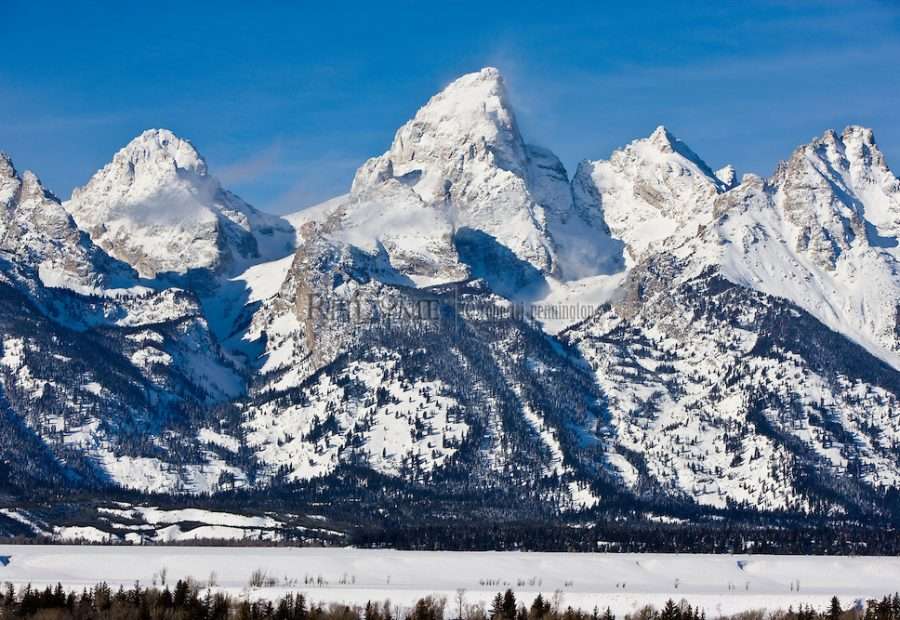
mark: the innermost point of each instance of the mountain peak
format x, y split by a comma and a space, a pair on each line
162, 148
40, 234
32, 186
487, 82
852, 135
156, 176
462, 154
156, 207
7, 169
858, 133
830, 136
492, 73
475, 104
662, 137
667, 143
469, 119
652, 189
473, 94
840, 193
486, 77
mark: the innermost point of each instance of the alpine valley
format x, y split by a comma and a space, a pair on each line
469, 349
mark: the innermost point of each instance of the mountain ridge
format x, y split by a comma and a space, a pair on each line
741, 349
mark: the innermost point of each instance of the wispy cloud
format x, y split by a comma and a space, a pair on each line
285, 177
257, 165
319, 179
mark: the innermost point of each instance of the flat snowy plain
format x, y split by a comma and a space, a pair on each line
718, 583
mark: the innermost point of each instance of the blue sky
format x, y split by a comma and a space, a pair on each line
286, 99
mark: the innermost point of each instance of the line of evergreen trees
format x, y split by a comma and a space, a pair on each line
189, 601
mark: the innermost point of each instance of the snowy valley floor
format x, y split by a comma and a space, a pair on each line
721, 584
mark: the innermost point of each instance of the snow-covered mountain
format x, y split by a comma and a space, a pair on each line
764, 344
98, 366
156, 207
741, 349
651, 190
462, 165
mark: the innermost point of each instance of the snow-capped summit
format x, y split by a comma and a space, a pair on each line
463, 164
161, 152
663, 139
156, 207
463, 159
470, 122
667, 143
7, 170
651, 190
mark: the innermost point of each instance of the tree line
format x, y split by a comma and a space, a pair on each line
191, 601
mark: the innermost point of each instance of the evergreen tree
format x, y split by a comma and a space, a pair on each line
670, 612
496, 611
509, 605
834, 610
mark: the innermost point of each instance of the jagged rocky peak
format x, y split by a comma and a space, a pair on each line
470, 120
30, 208
160, 152
7, 169
808, 235
840, 193
463, 157
650, 190
753, 193
156, 207
11, 182
663, 139
41, 235
33, 189
864, 157
669, 144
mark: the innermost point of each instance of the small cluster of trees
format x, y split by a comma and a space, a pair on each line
186, 602
505, 607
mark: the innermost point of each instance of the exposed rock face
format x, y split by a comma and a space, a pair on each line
463, 154
821, 233
742, 303
96, 368
156, 207
840, 194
